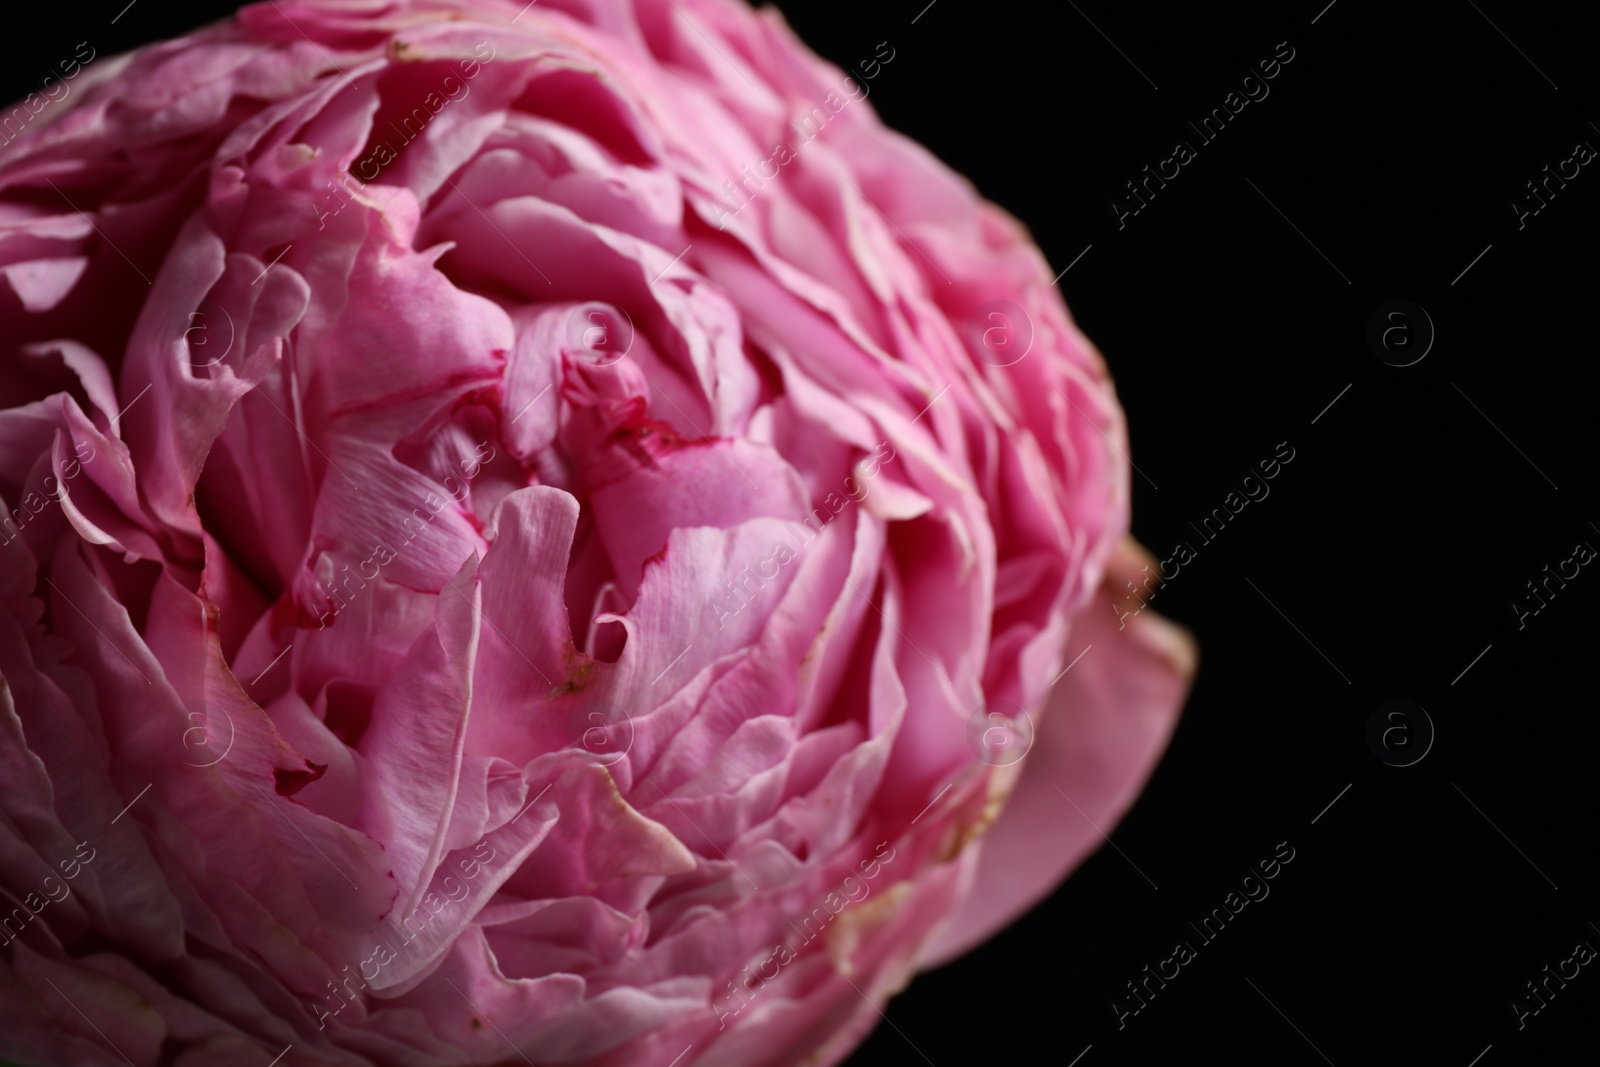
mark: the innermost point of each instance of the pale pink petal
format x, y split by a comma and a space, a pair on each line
1108, 721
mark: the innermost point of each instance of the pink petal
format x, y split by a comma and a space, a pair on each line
41, 284
1108, 721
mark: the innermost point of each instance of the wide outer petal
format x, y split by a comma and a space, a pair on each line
1107, 722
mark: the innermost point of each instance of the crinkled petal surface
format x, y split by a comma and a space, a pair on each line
518, 520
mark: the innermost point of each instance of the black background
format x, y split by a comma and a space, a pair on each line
1416, 507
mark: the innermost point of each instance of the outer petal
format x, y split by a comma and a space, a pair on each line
1107, 722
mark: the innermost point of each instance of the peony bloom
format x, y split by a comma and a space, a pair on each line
531, 533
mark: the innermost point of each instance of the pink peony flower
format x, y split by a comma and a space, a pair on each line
532, 533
